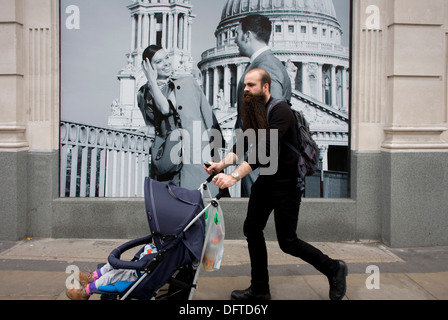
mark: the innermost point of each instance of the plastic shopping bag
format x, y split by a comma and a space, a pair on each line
214, 242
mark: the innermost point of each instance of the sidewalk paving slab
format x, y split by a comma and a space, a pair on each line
35, 269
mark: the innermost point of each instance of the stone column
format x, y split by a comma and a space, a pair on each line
239, 71
344, 90
164, 37
133, 26
185, 34
207, 84
320, 92
145, 31
29, 125
305, 79
176, 31
399, 120
153, 31
190, 33
170, 31
215, 85
226, 88
334, 86
139, 31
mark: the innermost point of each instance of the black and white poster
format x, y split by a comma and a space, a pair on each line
106, 140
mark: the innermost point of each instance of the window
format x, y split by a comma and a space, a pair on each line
324, 32
315, 30
303, 29
291, 29
278, 28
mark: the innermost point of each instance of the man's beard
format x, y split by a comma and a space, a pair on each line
254, 112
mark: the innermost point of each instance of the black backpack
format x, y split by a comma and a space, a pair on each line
308, 150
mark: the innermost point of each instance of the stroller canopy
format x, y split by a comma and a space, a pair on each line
169, 210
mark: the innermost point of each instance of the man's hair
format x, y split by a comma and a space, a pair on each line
260, 25
265, 76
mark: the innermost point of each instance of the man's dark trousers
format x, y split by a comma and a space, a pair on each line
284, 199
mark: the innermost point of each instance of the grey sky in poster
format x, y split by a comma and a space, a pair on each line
92, 55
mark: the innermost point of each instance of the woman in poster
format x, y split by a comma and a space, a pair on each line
182, 118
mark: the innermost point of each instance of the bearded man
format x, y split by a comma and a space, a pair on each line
276, 191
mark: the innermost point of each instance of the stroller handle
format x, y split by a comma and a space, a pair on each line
214, 173
220, 194
210, 178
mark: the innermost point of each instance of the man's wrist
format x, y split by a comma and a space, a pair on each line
235, 175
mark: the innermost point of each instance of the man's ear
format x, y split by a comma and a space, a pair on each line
266, 87
248, 34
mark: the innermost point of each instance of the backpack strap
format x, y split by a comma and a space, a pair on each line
292, 147
272, 104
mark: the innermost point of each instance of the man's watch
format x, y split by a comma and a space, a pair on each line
235, 175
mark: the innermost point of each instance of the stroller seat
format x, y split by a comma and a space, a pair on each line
116, 288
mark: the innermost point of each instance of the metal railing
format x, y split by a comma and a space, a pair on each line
99, 162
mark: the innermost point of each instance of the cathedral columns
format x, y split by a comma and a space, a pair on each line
226, 85
170, 31
145, 30
176, 30
185, 34
152, 30
225, 73
320, 82
330, 87
139, 31
215, 85
164, 37
333, 87
207, 85
133, 33
190, 33
164, 23
305, 78
345, 89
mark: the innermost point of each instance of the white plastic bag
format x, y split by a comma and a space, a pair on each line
214, 242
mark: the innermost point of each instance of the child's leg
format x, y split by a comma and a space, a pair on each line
86, 278
103, 270
110, 277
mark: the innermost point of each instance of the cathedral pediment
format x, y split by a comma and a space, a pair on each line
320, 118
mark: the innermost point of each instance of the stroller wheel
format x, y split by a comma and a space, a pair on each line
180, 284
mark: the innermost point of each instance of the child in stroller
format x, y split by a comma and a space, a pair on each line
104, 276
177, 224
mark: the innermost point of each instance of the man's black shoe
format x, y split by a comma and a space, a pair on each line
338, 284
248, 294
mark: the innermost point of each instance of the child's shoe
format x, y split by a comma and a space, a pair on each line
77, 294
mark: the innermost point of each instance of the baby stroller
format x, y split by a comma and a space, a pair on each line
177, 224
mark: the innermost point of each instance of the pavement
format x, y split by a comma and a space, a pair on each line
38, 269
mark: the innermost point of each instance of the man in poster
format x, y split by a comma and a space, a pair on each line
252, 38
